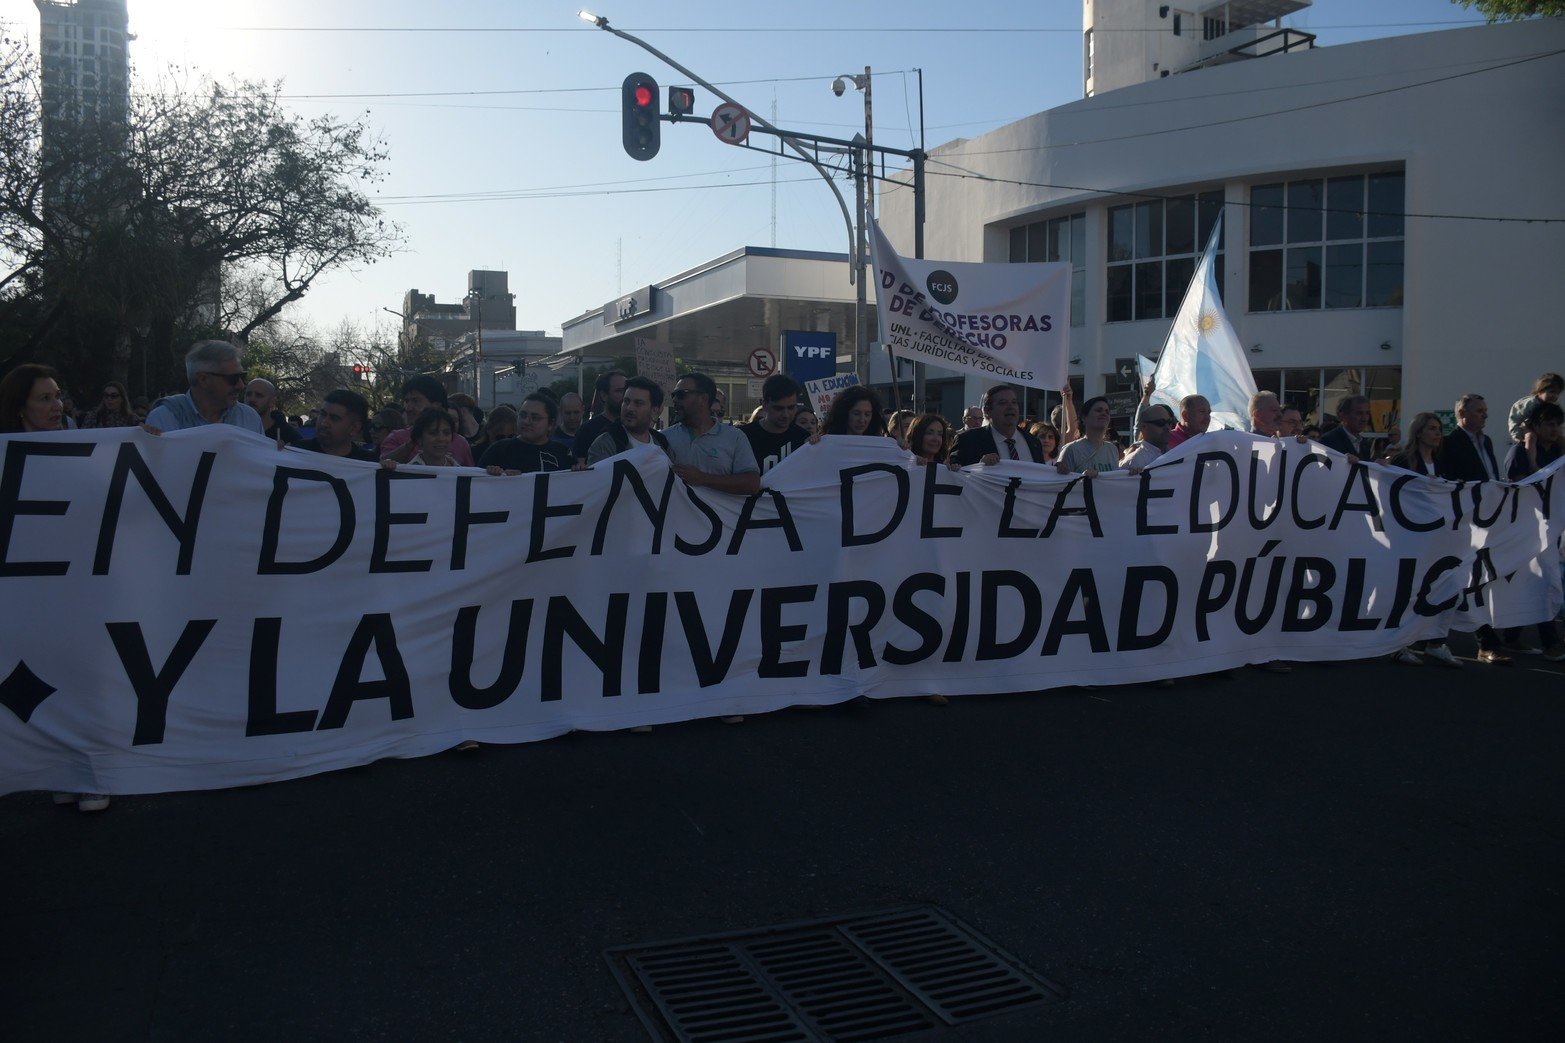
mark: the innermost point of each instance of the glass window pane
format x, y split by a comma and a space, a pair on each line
1057, 244
1179, 215
1268, 380
1384, 282
1304, 278
1122, 222
1149, 229
1266, 280
1211, 206
1217, 274
1301, 390
1037, 233
1265, 215
1117, 293
1178, 271
1345, 275
1079, 297
1149, 290
1018, 244
1304, 206
1345, 208
1079, 240
1385, 204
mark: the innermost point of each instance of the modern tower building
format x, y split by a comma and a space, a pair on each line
84, 49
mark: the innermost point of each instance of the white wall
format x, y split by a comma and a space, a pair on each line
1479, 294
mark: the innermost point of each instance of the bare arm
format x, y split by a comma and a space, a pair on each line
1070, 430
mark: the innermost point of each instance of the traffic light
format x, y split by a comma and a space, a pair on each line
360, 373
639, 106
681, 100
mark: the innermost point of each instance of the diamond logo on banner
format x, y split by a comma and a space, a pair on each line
24, 691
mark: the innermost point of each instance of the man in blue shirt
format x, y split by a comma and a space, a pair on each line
216, 381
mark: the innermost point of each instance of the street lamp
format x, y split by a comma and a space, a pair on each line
864, 205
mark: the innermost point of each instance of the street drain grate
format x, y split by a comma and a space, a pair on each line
857, 977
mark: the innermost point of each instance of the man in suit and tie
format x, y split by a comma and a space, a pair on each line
1001, 439
1467, 455
1353, 417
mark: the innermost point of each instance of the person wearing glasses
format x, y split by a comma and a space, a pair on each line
707, 453
1157, 423
217, 379
113, 409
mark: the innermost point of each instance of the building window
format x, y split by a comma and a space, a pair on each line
1153, 249
1087, 62
1058, 239
1331, 242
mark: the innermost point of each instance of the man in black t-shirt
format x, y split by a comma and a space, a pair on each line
339, 430
773, 435
531, 450
607, 394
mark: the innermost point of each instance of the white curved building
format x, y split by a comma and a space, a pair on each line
1381, 199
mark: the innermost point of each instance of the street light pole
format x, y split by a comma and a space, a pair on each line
782, 136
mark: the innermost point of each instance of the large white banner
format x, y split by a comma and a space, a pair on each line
1007, 322
203, 610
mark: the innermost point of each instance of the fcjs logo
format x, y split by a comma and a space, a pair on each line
942, 286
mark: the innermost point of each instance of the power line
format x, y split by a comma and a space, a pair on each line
1266, 115
747, 30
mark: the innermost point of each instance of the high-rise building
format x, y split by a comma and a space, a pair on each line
84, 50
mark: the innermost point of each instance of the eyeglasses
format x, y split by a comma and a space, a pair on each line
233, 379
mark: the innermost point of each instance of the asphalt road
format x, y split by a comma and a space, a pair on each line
1356, 850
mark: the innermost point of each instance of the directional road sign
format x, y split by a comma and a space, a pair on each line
731, 123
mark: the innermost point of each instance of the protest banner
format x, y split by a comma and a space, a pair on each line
821, 392
202, 609
1007, 322
655, 361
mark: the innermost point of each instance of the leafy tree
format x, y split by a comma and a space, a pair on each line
1515, 10
205, 212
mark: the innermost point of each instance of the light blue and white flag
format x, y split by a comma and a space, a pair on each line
1202, 356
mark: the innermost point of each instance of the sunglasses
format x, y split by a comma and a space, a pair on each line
1159, 423
233, 379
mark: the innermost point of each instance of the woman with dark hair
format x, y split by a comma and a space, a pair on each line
113, 409
1421, 455
500, 423
30, 400
1049, 437
431, 435
855, 411
930, 439
466, 415
1094, 452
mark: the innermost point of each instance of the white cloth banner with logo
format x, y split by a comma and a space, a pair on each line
1007, 322
203, 610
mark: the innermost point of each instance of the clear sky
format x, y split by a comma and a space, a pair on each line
502, 117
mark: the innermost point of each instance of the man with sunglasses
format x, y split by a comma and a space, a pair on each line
1157, 423
706, 452
217, 379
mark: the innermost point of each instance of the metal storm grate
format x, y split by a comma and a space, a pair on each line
857, 977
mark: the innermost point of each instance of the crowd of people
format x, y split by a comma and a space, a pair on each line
546, 433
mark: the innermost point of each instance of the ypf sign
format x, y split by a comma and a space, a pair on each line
809, 354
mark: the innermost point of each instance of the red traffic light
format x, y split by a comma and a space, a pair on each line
644, 96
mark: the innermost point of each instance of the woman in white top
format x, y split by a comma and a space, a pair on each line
1094, 451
